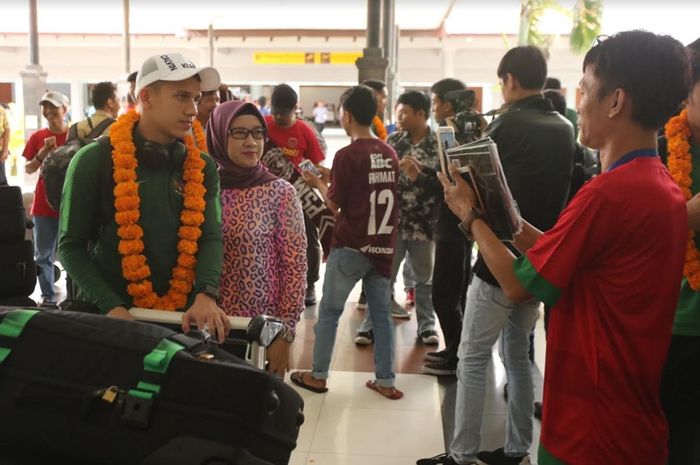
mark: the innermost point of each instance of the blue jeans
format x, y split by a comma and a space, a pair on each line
409, 277
45, 237
489, 313
420, 256
3, 176
344, 268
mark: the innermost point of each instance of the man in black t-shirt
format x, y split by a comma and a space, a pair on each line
535, 146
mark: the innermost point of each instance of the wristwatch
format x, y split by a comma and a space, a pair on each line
211, 291
466, 225
287, 335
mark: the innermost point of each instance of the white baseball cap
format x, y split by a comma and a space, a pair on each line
175, 67
56, 99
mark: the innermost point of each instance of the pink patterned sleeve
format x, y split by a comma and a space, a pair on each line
290, 245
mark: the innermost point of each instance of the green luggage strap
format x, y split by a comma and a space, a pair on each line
155, 365
10, 329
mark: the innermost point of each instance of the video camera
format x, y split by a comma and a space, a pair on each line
467, 122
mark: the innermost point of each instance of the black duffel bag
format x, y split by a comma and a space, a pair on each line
82, 388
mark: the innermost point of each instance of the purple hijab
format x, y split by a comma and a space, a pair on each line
233, 176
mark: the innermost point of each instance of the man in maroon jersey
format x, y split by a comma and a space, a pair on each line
363, 193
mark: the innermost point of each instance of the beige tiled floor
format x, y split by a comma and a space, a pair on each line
353, 425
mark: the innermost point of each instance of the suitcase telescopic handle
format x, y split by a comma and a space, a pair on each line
260, 330
175, 318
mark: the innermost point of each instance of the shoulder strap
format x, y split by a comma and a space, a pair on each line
72, 132
97, 130
155, 366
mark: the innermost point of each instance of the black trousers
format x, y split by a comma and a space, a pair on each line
680, 398
451, 277
313, 251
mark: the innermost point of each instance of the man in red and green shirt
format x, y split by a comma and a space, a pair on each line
610, 266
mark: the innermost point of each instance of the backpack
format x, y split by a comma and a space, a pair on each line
54, 167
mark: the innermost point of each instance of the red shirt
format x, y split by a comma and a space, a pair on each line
363, 184
297, 142
611, 266
40, 207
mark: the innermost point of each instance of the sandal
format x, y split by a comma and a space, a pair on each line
393, 394
298, 378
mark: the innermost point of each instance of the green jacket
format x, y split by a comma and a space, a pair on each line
88, 241
687, 321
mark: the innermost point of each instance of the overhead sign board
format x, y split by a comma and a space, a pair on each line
305, 58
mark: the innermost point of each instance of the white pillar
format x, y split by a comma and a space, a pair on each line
78, 101
448, 62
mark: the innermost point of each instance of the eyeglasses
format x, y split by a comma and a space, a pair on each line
243, 133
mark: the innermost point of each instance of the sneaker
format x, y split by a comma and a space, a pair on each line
411, 297
430, 337
442, 368
498, 457
48, 303
436, 356
362, 303
310, 298
397, 311
442, 459
364, 338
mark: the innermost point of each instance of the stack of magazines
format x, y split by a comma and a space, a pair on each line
481, 166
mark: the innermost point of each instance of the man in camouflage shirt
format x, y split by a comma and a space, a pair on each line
417, 206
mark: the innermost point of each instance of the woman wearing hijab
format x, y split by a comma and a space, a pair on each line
264, 269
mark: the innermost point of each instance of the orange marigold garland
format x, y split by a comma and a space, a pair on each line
378, 127
127, 202
199, 137
680, 165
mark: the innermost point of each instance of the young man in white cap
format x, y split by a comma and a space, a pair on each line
147, 200
54, 106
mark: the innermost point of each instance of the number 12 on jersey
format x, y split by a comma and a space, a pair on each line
384, 197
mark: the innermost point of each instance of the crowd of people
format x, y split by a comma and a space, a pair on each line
171, 208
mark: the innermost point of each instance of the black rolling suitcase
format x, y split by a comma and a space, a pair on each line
17, 269
79, 389
13, 217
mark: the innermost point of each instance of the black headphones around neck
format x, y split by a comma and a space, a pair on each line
155, 155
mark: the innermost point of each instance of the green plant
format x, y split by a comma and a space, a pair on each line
588, 15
